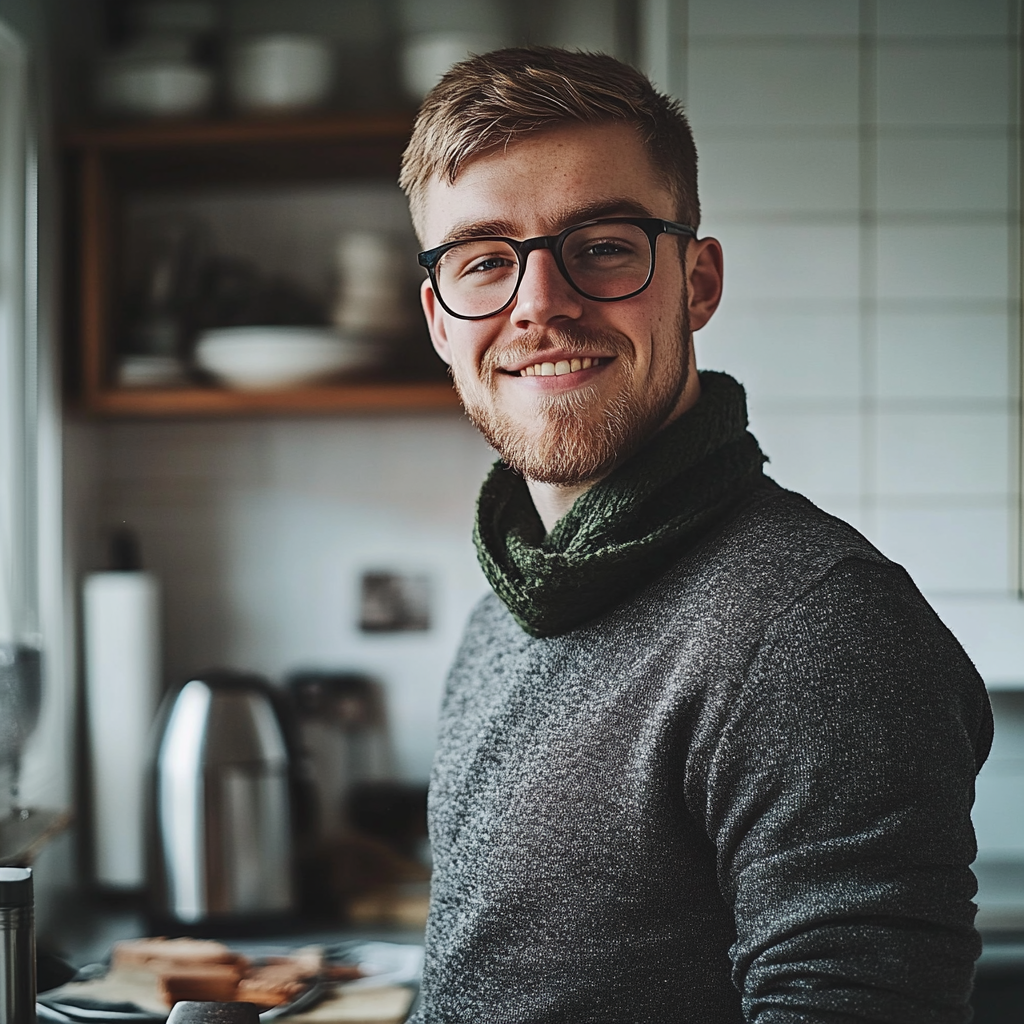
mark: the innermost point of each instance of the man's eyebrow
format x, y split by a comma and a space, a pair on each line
611, 207
478, 229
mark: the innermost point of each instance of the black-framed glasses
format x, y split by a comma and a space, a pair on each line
604, 260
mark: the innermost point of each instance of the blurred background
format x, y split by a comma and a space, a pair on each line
183, 173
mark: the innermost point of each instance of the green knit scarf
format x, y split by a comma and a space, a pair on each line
628, 528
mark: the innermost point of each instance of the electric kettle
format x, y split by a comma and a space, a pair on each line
221, 822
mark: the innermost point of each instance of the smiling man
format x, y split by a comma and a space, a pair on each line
706, 755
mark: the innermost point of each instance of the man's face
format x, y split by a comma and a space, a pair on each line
620, 368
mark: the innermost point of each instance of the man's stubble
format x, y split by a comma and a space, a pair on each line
577, 438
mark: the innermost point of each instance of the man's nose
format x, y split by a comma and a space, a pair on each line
544, 295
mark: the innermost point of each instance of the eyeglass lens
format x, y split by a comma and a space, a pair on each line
604, 261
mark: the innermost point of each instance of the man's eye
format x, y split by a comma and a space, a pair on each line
607, 247
489, 263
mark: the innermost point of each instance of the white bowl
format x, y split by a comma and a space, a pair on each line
280, 72
260, 358
427, 56
158, 87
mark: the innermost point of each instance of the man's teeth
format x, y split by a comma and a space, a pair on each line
557, 369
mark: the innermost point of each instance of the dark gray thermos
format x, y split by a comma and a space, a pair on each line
17, 947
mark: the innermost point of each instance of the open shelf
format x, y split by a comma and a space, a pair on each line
110, 163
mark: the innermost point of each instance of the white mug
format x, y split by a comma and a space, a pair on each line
280, 72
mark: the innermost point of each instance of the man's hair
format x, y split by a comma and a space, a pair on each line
499, 97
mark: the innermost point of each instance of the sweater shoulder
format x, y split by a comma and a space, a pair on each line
785, 528
776, 547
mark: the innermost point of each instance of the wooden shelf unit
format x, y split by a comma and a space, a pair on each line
106, 162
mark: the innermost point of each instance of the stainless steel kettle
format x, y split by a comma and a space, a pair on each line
221, 819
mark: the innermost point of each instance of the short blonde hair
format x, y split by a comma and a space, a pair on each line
498, 97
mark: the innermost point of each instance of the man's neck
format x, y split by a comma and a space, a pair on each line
552, 501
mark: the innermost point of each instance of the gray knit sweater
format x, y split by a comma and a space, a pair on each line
744, 793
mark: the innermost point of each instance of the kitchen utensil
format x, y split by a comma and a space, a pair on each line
187, 1012
17, 947
343, 728
222, 807
275, 357
373, 301
281, 72
157, 87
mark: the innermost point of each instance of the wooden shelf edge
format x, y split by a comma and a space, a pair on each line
226, 131
338, 399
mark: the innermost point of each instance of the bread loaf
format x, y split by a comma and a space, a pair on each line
211, 983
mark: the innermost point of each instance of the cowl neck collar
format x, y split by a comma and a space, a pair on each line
625, 530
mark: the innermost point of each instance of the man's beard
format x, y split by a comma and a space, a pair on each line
575, 437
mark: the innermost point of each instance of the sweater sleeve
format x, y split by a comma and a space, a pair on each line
839, 796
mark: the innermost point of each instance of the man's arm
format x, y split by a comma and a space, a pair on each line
839, 799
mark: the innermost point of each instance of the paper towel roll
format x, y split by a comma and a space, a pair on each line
122, 673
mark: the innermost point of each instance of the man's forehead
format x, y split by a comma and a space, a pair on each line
545, 182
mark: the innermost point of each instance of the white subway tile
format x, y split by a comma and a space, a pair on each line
780, 357
945, 356
958, 550
991, 630
781, 17
772, 175
955, 454
435, 463
790, 263
780, 84
942, 17
815, 454
943, 176
943, 262
943, 85
998, 813
1008, 742
182, 453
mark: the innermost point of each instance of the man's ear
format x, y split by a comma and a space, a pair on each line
435, 321
704, 276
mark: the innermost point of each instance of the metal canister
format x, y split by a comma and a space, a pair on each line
222, 805
17, 947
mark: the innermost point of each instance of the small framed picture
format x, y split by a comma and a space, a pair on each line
394, 602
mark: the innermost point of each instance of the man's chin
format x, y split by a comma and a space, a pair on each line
565, 443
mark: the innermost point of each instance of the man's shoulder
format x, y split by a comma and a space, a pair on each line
781, 527
774, 548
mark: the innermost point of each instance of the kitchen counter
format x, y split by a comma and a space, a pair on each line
80, 928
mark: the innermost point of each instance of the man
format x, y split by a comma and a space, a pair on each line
705, 755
